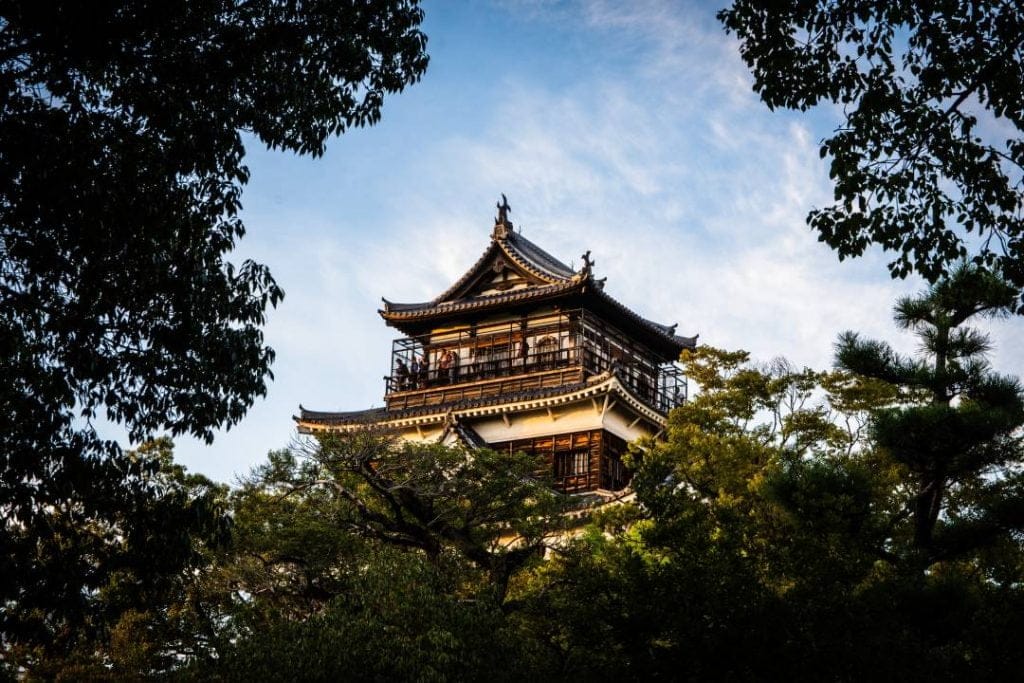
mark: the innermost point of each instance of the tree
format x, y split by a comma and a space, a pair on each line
769, 541
749, 502
356, 554
772, 536
396, 616
958, 430
928, 160
487, 506
116, 595
122, 168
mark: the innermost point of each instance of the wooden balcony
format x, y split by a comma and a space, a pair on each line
549, 351
444, 394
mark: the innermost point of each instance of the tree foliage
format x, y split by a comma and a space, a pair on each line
396, 616
928, 161
960, 439
769, 542
490, 507
121, 171
116, 595
359, 556
772, 536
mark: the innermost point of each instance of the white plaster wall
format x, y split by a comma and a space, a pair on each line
536, 423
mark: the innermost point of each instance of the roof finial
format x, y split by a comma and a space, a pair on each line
588, 265
503, 210
502, 225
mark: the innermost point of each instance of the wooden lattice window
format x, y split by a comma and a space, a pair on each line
572, 463
614, 474
572, 460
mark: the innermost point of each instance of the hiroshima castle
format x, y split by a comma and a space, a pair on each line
527, 354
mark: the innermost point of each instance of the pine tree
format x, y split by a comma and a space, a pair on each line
956, 428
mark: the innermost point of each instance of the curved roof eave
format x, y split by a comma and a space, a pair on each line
666, 331
405, 311
526, 400
399, 313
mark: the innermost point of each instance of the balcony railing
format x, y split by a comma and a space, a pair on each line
523, 347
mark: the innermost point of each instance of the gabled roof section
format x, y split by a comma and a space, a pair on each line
464, 434
511, 265
533, 257
513, 271
513, 254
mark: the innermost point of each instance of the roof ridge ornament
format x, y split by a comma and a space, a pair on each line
588, 264
502, 225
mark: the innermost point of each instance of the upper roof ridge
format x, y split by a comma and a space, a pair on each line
547, 278
534, 258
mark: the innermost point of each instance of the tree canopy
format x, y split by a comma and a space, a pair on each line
773, 534
928, 160
774, 538
362, 557
121, 173
957, 427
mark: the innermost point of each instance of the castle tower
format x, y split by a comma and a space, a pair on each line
525, 353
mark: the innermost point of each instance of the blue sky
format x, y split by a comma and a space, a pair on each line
629, 129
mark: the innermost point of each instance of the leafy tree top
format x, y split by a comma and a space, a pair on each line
957, 430
929, 157
121, 173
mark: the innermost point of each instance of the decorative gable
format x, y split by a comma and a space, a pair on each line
513, 272
495, 273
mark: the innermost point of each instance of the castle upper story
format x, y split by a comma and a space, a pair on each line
513, 348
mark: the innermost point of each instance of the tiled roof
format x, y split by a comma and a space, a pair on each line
537, 258
395, 311
351, 417
553, 279
378, 415
668, 331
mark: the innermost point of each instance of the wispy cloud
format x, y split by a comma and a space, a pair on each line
657, 157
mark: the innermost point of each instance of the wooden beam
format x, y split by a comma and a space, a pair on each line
634, 422
419, 431
551, 414
608, 404
597, 408
504, 417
